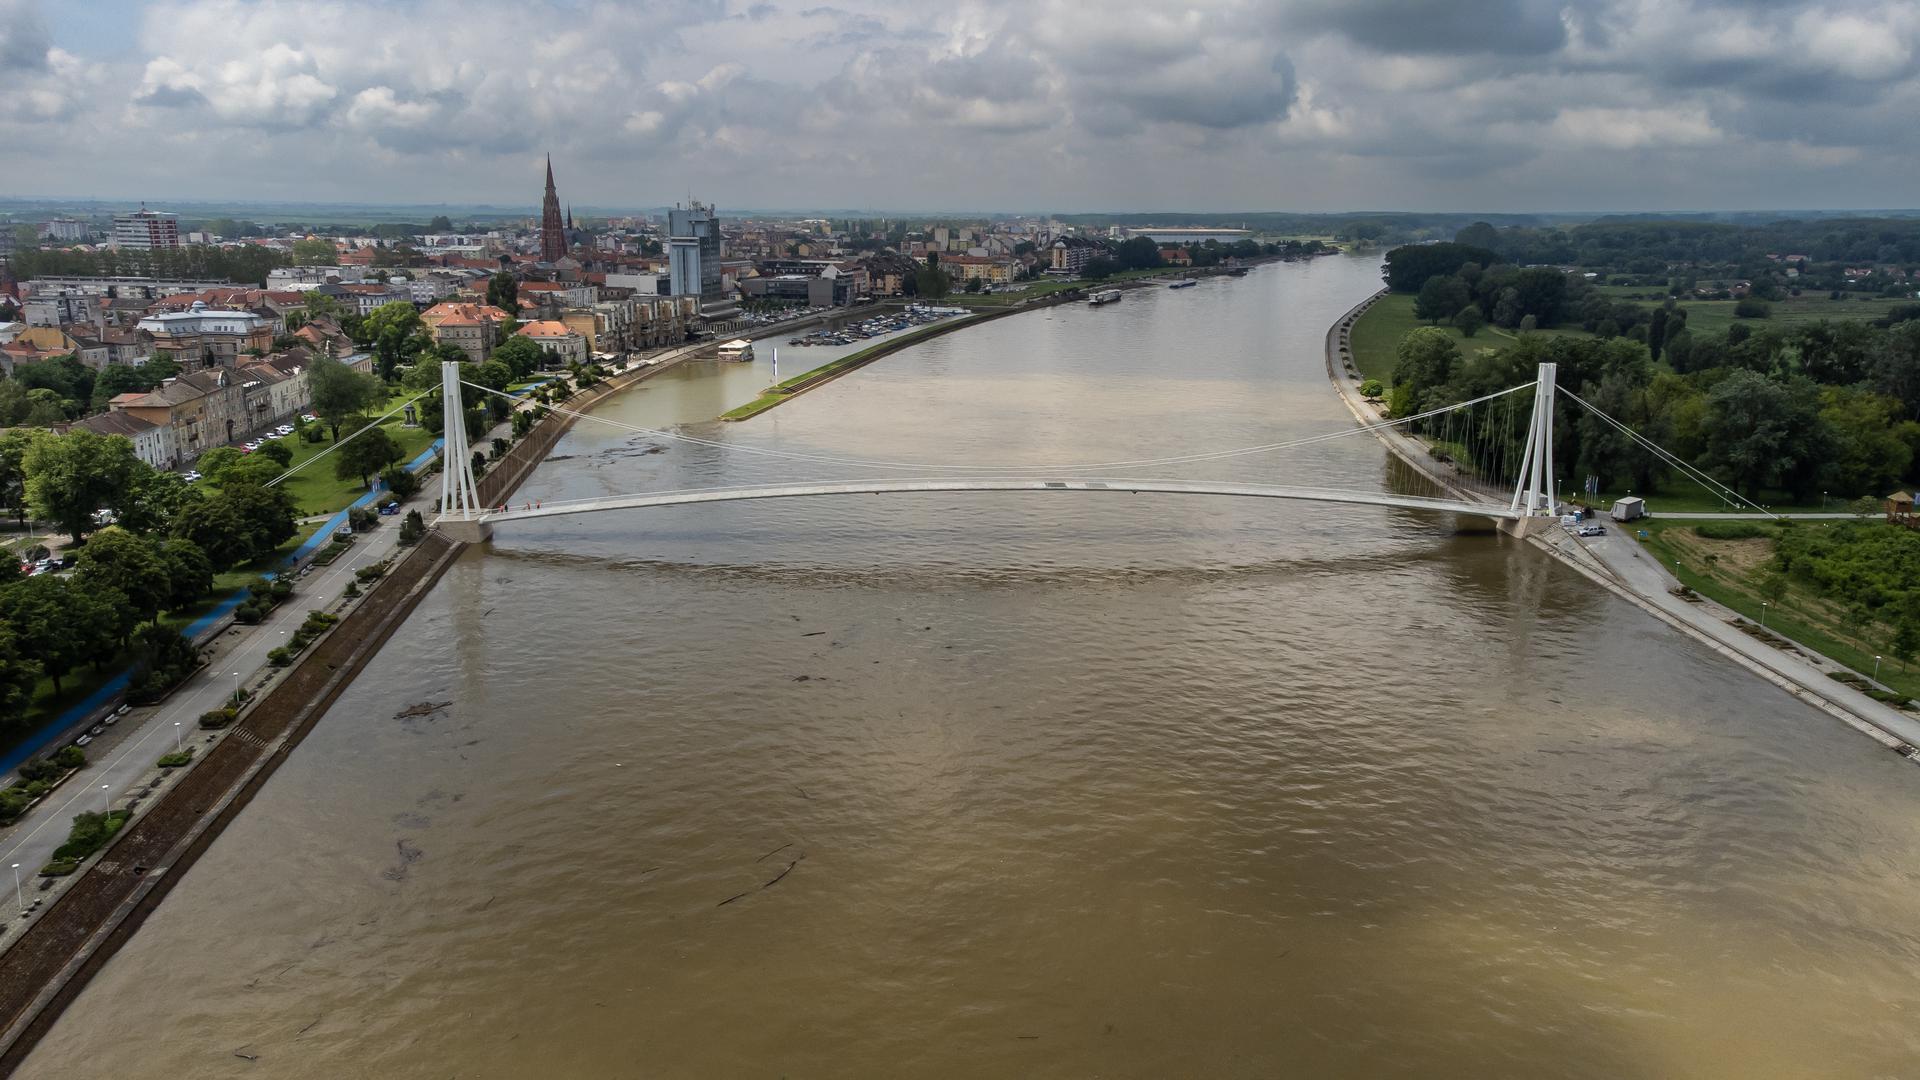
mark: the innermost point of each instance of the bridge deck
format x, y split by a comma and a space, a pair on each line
1121, 486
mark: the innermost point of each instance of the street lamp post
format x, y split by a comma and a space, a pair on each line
19, 897
1763, 614
1876, 669
176, 736
105, 799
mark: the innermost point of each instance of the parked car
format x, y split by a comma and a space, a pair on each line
390, 509
191, 476
123, 710
1593, 530
83, 740
97, 730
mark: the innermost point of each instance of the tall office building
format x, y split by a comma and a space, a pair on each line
146, 229
693, 254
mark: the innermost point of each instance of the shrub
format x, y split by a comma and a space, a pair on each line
175, 759
70, 757
368, 573
279, 657
352, 590
401, 482
1752, 308
60, 868
90, 833
38, 769
13, 803
249, 613
214, 719
1730, 530
361, 519
1372, 388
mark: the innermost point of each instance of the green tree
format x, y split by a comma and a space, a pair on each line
1869, 454
68, 477
401, 481
59, 624
13, 473
1425, 361
932, 283
520, 354
1469, 320
117, 559
398, 335
214, 526
1758, 431
276, 451
1442, 297
337, 392
365, 456
218, 460
314, 251
503, 292
242, 523
440, 224
189, 572
18, 673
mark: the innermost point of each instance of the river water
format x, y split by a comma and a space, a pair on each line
1036, 784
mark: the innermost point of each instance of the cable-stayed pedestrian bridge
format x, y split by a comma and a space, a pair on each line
1501, 443
1043, 484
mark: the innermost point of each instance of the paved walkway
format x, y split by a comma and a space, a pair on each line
1633, 568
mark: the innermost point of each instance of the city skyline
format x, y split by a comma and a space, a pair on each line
1300, 105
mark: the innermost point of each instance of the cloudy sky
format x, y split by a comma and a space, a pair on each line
978, 104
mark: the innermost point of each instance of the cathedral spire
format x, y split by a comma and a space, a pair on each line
553, 234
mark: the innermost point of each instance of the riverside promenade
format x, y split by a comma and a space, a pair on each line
1617, 563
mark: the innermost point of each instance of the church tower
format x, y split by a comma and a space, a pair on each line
553, 234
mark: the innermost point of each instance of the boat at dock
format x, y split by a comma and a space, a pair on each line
1184, 283
740, 350
1103, 296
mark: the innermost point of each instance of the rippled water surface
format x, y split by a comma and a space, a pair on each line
1036, 784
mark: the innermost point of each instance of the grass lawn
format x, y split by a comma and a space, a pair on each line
1377, 334
782, 390
316, 490
1680, 494
1715, 316
1730, 571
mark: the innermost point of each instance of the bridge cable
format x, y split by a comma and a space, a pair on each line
342, 442
1138, 463
1701, 477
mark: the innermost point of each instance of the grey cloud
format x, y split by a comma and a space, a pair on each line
1432, 27
171, 97
24, 40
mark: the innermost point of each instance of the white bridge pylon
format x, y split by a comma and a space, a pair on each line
460, 511
1533, 493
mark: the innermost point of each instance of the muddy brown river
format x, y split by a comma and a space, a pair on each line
1062, 784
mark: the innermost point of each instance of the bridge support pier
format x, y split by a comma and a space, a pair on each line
460, 510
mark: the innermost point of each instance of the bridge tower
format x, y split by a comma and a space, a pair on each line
1533, 493
460, 507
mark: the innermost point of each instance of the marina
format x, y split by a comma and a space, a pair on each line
866, 329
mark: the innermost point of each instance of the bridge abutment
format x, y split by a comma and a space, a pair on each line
465, 530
